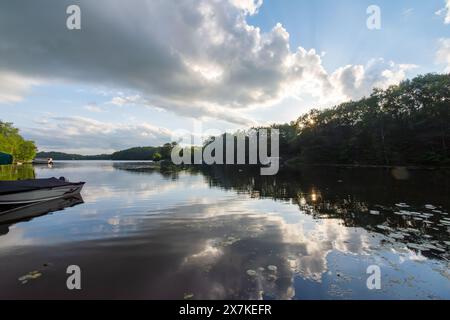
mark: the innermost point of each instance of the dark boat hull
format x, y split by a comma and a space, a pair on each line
41, 194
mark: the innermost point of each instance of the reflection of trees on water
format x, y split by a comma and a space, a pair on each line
17, 172
411, 211
148, 168
371, 186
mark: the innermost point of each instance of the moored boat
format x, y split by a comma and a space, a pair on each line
5, 158
37, 190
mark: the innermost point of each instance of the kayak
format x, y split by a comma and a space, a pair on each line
37, 190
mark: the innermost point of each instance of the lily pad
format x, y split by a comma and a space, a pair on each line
251, 273
272, 277
33, 275
417, 247
273, 268
188, 296
397, 236
383, 227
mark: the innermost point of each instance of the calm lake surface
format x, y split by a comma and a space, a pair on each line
231, 234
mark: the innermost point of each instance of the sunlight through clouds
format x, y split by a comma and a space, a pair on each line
203, 57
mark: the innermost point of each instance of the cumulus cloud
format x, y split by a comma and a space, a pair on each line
199, 112
352, 81
82, 134
193, 57
14, 86
443, 54
248, 6
445, 12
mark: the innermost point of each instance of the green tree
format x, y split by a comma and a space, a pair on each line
166, 150
13, 143
405, 124
157, 157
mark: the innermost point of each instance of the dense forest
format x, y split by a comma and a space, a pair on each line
407, 124
11, 142
144, 153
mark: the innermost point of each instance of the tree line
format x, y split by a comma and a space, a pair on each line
13, 143
406, 124
138, 153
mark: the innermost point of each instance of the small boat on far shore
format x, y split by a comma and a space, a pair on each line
43, 161
37, 190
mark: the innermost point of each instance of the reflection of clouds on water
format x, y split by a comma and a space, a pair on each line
16, 237
119, 224
138, 191
410, 255
252, 239
209, 254
255, 240
310, 244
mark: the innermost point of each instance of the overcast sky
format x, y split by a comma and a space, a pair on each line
138, 70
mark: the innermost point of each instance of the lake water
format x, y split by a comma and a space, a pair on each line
231, 234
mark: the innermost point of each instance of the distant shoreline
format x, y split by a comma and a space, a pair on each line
286, 165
